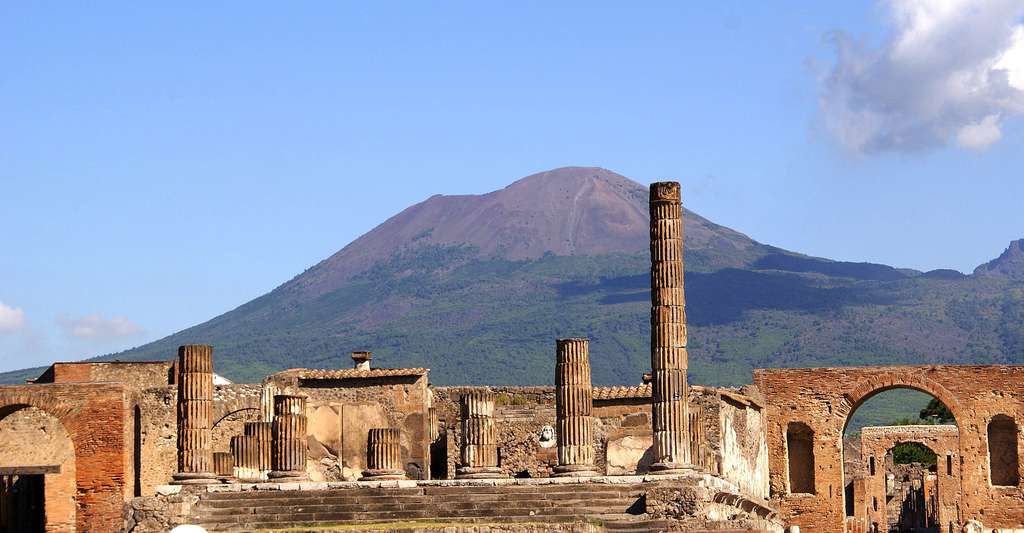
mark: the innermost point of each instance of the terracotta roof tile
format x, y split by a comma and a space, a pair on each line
619, 393
352, 373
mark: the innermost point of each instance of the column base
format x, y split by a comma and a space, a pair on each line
479, 472
382, 475
287, 476
249, 475
574, 471
667, 469
194, 478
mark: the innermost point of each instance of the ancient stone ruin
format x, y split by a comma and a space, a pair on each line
144, 447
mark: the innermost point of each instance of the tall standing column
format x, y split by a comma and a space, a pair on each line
668, 332
574, 404
288, 451
195, 415
383, 455
479, 437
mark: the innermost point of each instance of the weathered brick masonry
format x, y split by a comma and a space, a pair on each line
821, 400
93, 415
876, 442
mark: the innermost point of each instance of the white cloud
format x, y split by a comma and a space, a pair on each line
952, 70
980, 135
12, 319
95, 327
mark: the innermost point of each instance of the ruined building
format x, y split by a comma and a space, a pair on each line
144, 447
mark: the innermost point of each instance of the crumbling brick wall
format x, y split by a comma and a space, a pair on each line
32, 437
158, 437
824, 398
93, 415
876, 443
520, 415
343, 405
731, 431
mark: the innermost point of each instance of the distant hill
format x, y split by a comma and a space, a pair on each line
478, 287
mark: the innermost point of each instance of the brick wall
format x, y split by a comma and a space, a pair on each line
93, 415
137, 376
824, 398
31, 437
876, 442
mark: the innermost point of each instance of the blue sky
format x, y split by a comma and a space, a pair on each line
161, 164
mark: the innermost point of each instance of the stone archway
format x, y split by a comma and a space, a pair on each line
944, 440
897, 378
824, 398
35, 444
95, 417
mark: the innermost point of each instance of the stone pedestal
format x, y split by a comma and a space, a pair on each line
573, 409
668, 333
383, 455
479, 450
288, 449
195, 415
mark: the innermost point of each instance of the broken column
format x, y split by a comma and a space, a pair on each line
668, 333
267, 393
288, 447
383, 455
224, 465
479, 449
573, 405
251, 451
195, 415
244, 450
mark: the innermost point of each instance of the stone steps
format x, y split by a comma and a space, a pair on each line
636, 526
446, 507
250, 510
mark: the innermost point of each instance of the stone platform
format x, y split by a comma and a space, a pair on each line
694, 502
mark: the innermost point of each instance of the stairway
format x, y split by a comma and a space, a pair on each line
254, 510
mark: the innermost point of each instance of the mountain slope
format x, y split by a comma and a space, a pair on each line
478, 287
572, 211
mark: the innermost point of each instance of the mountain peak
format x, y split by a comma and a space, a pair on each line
564, 211
1009, 264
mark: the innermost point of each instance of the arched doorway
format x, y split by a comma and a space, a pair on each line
987, 402
911, 488
38, 471
901, 464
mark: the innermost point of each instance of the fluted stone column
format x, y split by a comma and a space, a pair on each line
288, 450
383, 455
259, 437
479, 437
224, 465
435, 429
267, 393
574, 404
195, 415
245, 451
668, 332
